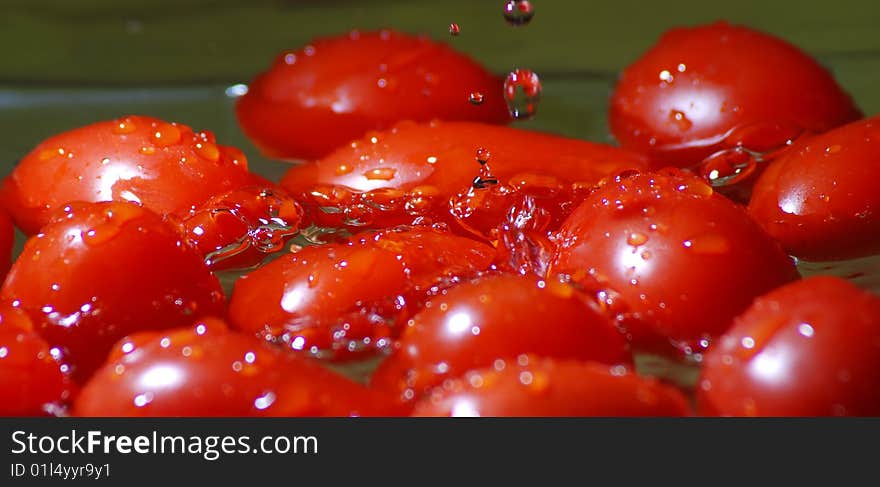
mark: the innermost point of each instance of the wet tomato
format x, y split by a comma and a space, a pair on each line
811, 348
34, 381
703, 89
413, 170
342, 300
474, 324
670, 257
206, 370
333, 90
100, 271
239, 228
820, 199
166, 167
7, 242
534, 386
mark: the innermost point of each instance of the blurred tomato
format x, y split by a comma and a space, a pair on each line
707, 88
331, 91
811, 348
820, 200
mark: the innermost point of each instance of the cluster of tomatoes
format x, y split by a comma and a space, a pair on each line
487, 270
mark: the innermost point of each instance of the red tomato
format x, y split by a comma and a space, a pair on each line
412, 170
474, 324
163, 166
820, 199
239, 228
811, 348
330, 92
101, 271
681, 260
533, 386
703, 89
33, 379
207, 370
339, 300
7, 242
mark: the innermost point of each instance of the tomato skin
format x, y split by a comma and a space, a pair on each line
101, 271
7, 242
498, 317
416, 168
819, 200
346, 299
683, 97
546, 387
332, 91
33, 382
166, 167
682, 259
206, 370
811, 348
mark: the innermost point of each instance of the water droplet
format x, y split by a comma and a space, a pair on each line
522, 91
454, 29
124, 126
636, 238
165, 135
207, 150
834, 149
680, 120
381, 173
666, 76
518, 12
476, 98
708, 244
729, 166
483, 155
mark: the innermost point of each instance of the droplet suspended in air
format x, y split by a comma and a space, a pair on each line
476, 98
454, 29
518, 12
522, 91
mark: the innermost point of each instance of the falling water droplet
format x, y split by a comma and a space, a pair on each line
454, 29
518, 12
522, 91
729, 166
476, 98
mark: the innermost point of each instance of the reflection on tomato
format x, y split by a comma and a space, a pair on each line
811, 348
671, 257
166, 167
534, 386
820, 199
342, 300
332, 91
206, 370
476, 323
7, 241
707, 88
101, 271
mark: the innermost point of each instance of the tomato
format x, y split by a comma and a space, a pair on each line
820, 199
669, 256
474, 324
239, 228
163, 166
811, 348
534, 386
333, 90
411, 171
34, 381
206, 370
342, 300
7, 242
712, 87
101, 271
